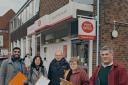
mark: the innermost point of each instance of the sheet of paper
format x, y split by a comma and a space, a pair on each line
42, 81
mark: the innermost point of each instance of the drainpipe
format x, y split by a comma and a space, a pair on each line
97, 33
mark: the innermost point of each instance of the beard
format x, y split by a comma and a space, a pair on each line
15, 57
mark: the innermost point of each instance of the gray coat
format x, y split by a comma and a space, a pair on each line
8, 71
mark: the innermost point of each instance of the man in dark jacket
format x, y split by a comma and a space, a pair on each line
56, 68
109, 72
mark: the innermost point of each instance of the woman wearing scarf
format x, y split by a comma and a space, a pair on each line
36, 70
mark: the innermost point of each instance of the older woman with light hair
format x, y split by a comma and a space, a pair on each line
77, 75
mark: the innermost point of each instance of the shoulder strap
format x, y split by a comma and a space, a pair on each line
5, 70
68, 74
42, 70
31, 72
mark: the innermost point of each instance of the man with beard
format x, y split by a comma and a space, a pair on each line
11, 66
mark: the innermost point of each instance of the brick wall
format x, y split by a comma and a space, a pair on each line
4, 25
111, 10
49, 6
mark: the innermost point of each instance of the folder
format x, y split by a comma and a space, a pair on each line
42, 81
65, 82
19, 79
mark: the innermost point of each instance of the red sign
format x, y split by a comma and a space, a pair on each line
87, 26
87, 30
65, 50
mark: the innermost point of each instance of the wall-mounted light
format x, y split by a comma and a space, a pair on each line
114, 32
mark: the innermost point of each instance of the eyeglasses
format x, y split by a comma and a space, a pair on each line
73, 63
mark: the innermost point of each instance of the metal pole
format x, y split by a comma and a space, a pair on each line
90, 57
97, 40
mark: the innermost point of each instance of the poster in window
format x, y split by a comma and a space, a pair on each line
65, 50
1, 40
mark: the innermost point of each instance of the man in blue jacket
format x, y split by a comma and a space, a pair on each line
56, 68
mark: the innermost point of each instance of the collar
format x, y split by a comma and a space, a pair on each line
107, 65
77, 70
10, 60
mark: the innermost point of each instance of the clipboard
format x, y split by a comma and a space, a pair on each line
19, 79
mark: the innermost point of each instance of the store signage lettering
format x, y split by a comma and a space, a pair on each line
39, 22
53, 18
66, 12
58, 15
31, 29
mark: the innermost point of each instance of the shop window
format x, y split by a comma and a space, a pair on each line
74, 28
0, 52
38, 45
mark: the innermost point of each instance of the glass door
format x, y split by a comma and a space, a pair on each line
80, 50
38, 43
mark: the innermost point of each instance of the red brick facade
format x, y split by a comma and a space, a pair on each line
49, 6
4, 28
111, 10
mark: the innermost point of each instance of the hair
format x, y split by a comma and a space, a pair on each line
33, 62
74, 59
16, 48
106, 48
58, 51
25, 57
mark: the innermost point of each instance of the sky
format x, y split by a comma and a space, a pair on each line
6, 5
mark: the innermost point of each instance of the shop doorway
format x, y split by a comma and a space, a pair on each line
80, 50
38, 44
48, 51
